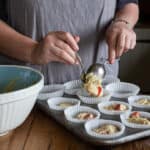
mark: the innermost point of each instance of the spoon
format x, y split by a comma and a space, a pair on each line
83, 74
97, 69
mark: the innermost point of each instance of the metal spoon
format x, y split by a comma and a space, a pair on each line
83, 74
98, 69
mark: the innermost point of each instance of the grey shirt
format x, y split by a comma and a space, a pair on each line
86, 18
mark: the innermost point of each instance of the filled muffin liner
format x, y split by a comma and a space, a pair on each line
92, 124
109, 79
87, 99
126, 115
122, 89
49, 91
72, 87
53, 103
112, 112
133, 99
71, 112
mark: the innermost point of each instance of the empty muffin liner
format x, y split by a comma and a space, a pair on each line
109, 79
122, 89
49, 91
72, 87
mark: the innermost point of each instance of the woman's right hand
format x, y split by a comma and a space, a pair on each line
57, 46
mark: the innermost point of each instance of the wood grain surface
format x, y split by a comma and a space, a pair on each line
40, 132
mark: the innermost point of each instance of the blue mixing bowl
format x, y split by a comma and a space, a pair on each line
19, 88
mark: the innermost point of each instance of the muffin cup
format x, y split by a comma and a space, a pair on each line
132, 101
71, 112
109, 79
112, 113
54, 102
72, 87
85, 98
122, 89
49, 91
126, 115
90, 125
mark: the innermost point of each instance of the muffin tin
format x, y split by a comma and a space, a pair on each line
127, 134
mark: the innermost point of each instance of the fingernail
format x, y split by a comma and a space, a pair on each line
77, 48
112, 61
77, 63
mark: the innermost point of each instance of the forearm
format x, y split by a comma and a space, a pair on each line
130, 13
14, 44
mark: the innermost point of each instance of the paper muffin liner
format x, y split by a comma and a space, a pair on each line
92, 124
87, 99
133, 99
72, 87
71, 112
126, 115
122, 89
54, 102
113, 112
109, 79
49, 91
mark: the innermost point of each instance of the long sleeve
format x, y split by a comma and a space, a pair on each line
3, 13
122, 3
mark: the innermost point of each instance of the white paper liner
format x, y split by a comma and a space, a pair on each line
126, 115
113, 112
133, 99
72, 87
122, 89
109, 79
49, 91
85, 98
90, 125
54, 102
71, 112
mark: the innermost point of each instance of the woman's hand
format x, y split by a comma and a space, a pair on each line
120, 39
56, 46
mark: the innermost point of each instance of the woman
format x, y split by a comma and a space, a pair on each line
47, 34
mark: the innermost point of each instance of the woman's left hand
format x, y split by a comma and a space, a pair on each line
120, 39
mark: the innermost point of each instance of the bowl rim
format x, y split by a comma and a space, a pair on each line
28, 91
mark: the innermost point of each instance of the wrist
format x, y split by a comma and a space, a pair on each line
124, 21
32, 55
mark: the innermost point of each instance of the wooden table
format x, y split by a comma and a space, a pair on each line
40, 132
